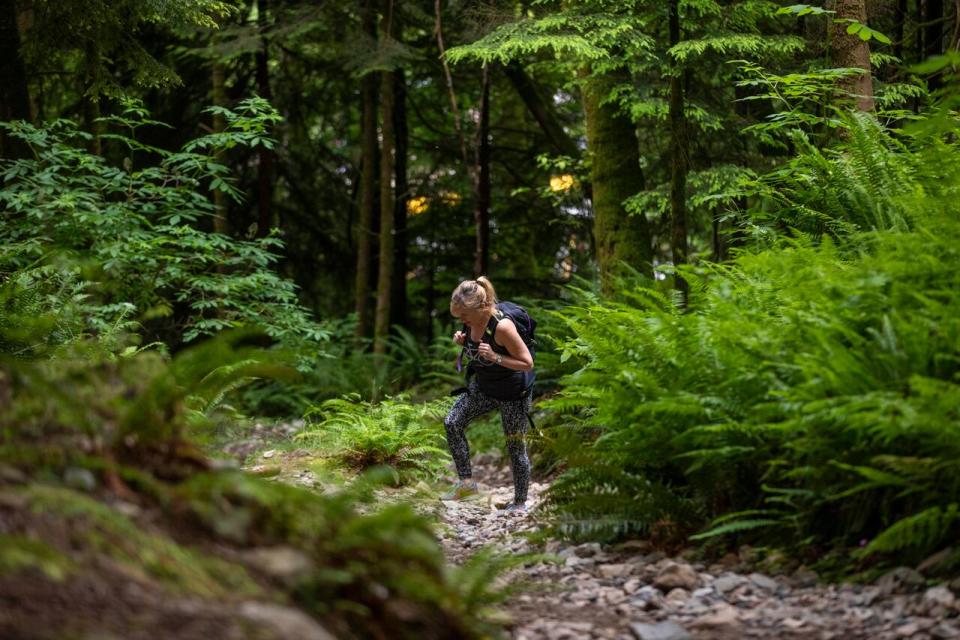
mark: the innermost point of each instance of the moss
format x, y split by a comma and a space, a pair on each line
104, 530
20, 552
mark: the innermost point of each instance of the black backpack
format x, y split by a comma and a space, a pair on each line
526, 326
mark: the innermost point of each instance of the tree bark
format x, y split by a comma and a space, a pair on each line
91, 96
481, 211
14, 91
265, 219
541, 110
368, 187
933, 37
616, 175
899, 33
398, 305
220, 200
850, 51
678, 160
381, 329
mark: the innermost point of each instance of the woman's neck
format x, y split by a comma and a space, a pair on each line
483, 320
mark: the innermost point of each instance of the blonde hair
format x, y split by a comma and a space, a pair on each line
473, 295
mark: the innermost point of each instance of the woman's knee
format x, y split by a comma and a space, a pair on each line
452, 425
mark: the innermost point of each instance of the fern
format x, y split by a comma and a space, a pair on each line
393, 432
925, 530
809, 389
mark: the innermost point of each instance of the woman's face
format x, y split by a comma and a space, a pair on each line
473, 318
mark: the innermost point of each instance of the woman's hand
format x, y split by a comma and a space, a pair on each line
486, 352
459, 337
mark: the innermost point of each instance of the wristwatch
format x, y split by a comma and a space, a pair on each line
499, 358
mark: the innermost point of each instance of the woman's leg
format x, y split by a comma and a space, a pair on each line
468, 406
513, 416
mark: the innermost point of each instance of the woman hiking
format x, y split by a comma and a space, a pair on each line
502, 376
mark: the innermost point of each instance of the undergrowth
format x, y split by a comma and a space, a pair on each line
807, 395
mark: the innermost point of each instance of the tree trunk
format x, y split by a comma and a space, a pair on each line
381, 329
616, 175
933, 37
91, 96
678, 159
14, 92
398, 305
481, 211
899, 33
220, 200
265, 219
850, 51
368, 187
541, 109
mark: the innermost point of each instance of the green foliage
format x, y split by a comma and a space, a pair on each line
100, 245
580, 35
393, 432
808, 393
21, 552
368, 569
97, 527
926, 530
103, 39
866, 184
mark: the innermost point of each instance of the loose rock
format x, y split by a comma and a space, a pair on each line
661, 631
676, 575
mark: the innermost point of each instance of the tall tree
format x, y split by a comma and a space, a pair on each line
398, 306
368, 183
540, 108
933, 20
481, 209
14, 92
381, 329
219, 96
265, 216
853, 52
616, 175
678, 156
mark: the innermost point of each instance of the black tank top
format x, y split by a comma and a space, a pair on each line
494, 380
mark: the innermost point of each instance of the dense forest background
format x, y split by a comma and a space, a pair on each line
735, 221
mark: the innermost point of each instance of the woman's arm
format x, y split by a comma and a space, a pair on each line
507, 336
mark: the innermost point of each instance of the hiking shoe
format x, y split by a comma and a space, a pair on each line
462, 490
514, 507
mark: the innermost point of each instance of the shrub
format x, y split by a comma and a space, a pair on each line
96, 245
808, 393
394, 432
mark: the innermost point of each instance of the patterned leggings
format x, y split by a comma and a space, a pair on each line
513, 416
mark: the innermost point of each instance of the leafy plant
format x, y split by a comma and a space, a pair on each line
367, 571
393, 432
807, 394
102, 244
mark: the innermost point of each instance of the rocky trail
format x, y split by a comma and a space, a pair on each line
631, 592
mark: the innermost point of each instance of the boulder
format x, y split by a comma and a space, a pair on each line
727, 582
611, 571
763, 582
900, 580
722, 623
676, 575
661, 631
286, 622
284, 564
939, 597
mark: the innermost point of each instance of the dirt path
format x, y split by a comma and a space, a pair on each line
631, 592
